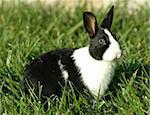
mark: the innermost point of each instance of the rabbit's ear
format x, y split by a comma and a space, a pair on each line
90, 24
106, 23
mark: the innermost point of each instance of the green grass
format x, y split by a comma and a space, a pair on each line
26, 32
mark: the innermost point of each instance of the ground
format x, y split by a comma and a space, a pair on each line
26, 32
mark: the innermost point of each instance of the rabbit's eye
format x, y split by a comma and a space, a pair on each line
102, 42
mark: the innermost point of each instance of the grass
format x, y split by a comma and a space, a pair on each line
26, 32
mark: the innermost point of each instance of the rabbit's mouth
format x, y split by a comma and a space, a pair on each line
119, 55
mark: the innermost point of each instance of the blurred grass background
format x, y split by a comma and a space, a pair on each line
26, 32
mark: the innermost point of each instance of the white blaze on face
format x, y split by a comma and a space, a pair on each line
113, 51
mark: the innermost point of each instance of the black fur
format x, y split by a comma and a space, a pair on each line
99, 44
90, 24
45, 70
107, 22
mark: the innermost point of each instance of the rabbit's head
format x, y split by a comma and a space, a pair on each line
103, 45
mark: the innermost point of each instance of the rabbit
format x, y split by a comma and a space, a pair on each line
91, 67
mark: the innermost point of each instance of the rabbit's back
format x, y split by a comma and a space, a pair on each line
49, 71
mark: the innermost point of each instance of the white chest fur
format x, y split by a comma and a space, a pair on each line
96, 74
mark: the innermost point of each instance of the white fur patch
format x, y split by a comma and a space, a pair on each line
96, 74
64, 72
113, 51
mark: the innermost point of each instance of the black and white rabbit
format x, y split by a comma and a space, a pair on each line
90, 67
